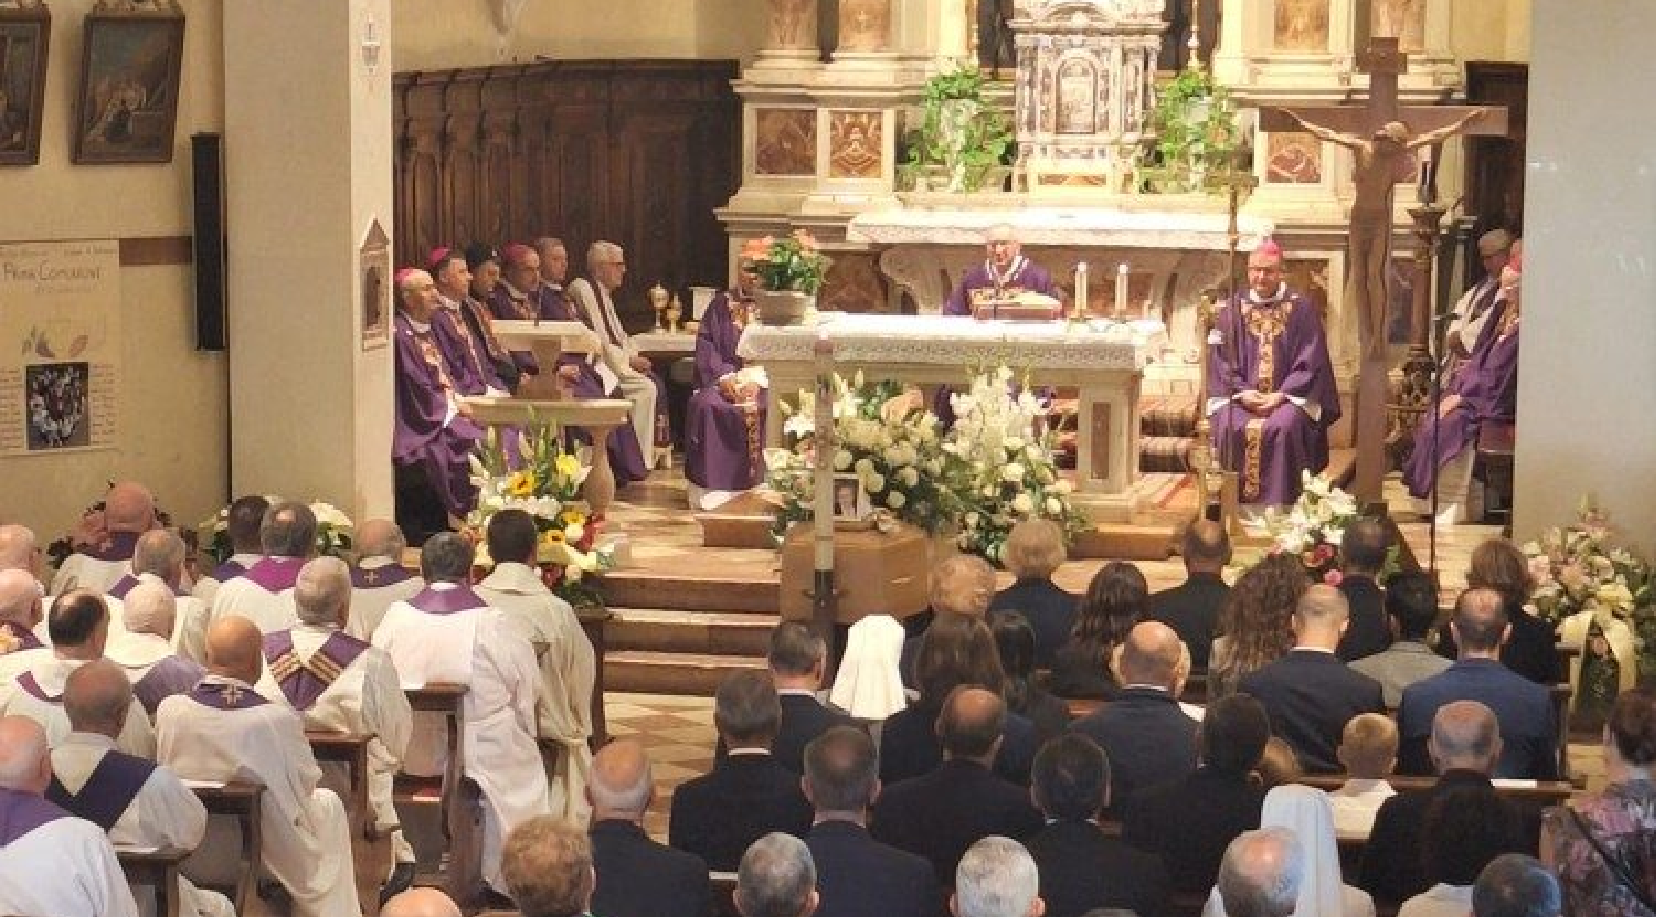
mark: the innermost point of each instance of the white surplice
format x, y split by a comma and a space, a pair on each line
14, 662
567, 673
618, 352
269, 611
82, 571
165, 815
307, 842
64, 868
369, 603
208, 585
476, 647
190, 622
50, 673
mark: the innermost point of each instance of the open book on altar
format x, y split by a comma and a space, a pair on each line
1014, 306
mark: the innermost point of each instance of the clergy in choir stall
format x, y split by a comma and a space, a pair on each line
512, 298
141, 804
225, 730
484, 362
434, 434
104, 540
568, 669
1271, 389
241, 525
1473, 312
607, 264
338, 683
265, 594
21, 611
1005, 273
725, 422
379, 577
144, 650
448, 633
19, 550
50, 861
1484, 391
80, 629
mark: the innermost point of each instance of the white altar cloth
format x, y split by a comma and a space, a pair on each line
1201, 226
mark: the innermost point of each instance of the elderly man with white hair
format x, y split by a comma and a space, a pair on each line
608, 265
21, 609
997, 878
379, 577
158, 557
338, 683
106, 540
777, 878
265, 594
144, 649
1260, 874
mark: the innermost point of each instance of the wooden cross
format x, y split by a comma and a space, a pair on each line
1369, 229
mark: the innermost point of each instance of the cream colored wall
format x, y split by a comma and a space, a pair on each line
172, 398
437, 34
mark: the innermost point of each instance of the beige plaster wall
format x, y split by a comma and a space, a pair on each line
172, 398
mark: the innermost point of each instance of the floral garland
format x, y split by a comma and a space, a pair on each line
91, 532
335, 533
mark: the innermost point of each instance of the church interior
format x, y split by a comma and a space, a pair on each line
217, 220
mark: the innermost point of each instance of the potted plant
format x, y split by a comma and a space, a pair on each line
1197, 134
961, 141
790, 270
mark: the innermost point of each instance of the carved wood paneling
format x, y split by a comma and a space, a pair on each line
1495, 178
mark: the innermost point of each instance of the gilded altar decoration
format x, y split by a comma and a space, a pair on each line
854, 144
785, 141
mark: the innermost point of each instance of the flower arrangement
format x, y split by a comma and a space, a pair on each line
91, 531
1313, 526
334, 532
791, 262
1001, 464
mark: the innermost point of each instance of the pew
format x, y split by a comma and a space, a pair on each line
370, 847
240, 802
721, 892
457, 798
156, 870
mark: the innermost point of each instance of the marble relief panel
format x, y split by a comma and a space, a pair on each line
785, 141
865, 25
853, 284
1293, 158
1300, 25
855, 143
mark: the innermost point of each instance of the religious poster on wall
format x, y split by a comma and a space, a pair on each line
60, 346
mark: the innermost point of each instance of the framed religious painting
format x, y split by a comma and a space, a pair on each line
127, 104
374, 260
25, 33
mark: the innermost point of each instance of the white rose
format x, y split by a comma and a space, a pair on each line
1054, 507
895, 499
1012, 473
874, 481
1013, 443
909, 477
1022, 503
988, 491
842, 460
863, 467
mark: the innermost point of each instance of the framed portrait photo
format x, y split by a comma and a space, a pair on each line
128, 100
25, 33
851, 502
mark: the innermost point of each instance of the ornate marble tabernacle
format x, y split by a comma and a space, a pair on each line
1104, 360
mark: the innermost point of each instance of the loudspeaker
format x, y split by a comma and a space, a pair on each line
207, 182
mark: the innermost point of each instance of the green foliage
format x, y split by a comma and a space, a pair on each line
791, 262
958, 132
1197, 134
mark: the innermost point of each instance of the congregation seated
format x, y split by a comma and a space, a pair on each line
1368, 752
1261, 874
725, 420
79, 628
637, 877
449, 633
141, 804
1254, 628
1530, 647
1465, 828
1516, 885
1524, 710
1302, 813
776, 878
567, 666
1015, 645
717, 815
1465, 746
547, 868
159, 557
1081, 867
1278, 764
939, 814
50, 861
797, 659
144, 649
264, 595
960, 584
21, 612
338, 683
1188, 821
225, 730
104, 541
1033, 553
244, 519
997, 878
378, 578
420, 902
1114, 602
1192, 608
1412, 607
1310, 694
1147, 736
1363, 553
856, 874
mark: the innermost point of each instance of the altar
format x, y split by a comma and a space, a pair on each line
1105, 360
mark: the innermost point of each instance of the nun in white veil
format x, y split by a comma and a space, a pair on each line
868, 685
1306, 812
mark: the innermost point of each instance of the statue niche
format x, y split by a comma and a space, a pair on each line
1076, 103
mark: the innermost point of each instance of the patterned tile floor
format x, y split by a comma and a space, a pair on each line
676, 732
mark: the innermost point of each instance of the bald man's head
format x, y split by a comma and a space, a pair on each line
380, 538
1150, 655
970, 724
962, 584
18, 549
129, 508
150, 608
233, 649
19, 598
96, 698
620, 785
1320, 617
1465, 736
25, 758
420, 902
161, 553
1479, 622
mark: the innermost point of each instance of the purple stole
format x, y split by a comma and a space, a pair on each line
303, 682
119, 547
447, 601
228, 571
22, 812
31, 687
378, 577
225, 696
276, 574
26, 640
171, 675
108, 791
124, 585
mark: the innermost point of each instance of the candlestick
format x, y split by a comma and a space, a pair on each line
1078, 309
1121, 292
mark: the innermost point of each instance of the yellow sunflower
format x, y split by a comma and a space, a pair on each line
521, 484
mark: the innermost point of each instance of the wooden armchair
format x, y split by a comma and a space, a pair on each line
370, 847
457, 798
155, 869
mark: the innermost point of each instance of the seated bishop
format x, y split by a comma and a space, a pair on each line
564, 713
79, 627
145, 651
448, 633
1271, 390
484, 361
50, 861
725, 422
142, 805
21, 612
264, 595
105, 540
1004, 274
225, 730
379, 577
243, 518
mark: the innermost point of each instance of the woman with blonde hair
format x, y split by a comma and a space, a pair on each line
1115, 602
1254, 621
1035, 550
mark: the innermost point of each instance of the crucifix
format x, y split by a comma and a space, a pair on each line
1382, 135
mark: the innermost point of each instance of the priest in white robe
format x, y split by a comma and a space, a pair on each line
1472, 313
143, 806
159, 557
243, 519
105, 540
264, 595
631, 369
21, 608
225, 730
338, 683
51, 863
379, 577
144, 650
564, 714
448, 633
80, 630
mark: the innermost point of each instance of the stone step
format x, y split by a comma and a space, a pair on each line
649, 672
692, 591
665, 630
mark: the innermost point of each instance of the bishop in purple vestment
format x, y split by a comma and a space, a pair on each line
467, 321
434, 434
513, 298
1005, 270
1271, 390
725, 422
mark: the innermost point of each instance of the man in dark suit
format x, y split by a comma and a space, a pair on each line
1189, 821
1082, 868
1524, 710
1465, 745
1309, 693
637, 877
940, 814
717, 815
1148, 737
856, 874
1363, 554
797, 659
1193, 607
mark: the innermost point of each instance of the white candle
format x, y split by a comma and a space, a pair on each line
1121, 291
1081, 289
822, 352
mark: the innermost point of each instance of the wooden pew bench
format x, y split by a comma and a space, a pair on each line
370, 848
238, 802
154, 872
456, 798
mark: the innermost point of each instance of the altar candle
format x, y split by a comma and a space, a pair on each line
822, 351
1121, 291
1080, 305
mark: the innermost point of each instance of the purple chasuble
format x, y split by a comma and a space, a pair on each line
276, 574
22, 812
447, 601
118, 547
466, 370
723, 441
1489, 389
378, 577
221, 695
171, 675
26, 640
31, 687
303, 682
510, 305
626, 458
1025, 275
108, 791
228, 571
425, 435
